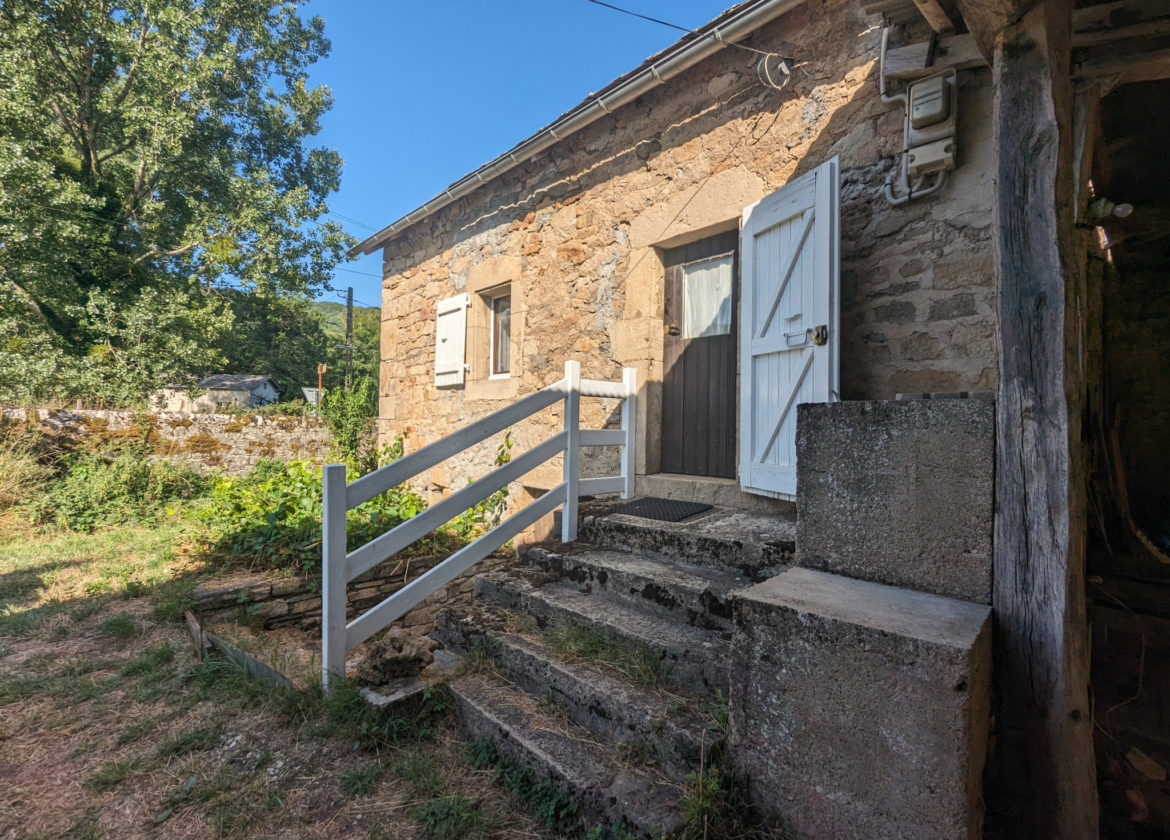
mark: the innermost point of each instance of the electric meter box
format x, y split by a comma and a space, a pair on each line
932, 106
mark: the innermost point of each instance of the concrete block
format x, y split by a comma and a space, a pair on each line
898, 493
861, 710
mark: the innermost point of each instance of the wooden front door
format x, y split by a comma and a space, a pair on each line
698, 385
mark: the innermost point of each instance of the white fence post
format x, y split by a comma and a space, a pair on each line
630, 427
572, 451
333, 602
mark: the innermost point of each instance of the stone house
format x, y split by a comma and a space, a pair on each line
838, 201
578, 241
242, 391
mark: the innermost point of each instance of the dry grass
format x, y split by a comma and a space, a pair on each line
110, 727
21, 474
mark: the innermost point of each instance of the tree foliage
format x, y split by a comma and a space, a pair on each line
152, 153
283, 336
367, 326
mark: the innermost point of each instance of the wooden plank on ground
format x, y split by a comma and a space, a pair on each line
204, 641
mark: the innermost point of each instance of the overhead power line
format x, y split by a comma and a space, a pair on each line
675, 26
355, 271
351, 220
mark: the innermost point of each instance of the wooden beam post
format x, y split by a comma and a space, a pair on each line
1042, 783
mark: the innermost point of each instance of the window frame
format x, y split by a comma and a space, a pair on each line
492, 297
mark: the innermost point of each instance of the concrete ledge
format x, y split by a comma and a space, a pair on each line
861, 710
898, 493
723, 492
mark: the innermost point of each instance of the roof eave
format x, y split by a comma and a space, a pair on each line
733, 25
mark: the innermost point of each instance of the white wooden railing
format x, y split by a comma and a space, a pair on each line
340, 567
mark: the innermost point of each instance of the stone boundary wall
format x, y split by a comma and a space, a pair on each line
231, 442
273, 602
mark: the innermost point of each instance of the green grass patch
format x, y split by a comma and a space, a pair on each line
173, 599
150, 661
112, 773
716, 806
420, 769
450, 817
136, 732
86, 609
551, 806
636, 662
17, 621
189, 741
360, 780
350, 715
87, 827
226, 683
120, 627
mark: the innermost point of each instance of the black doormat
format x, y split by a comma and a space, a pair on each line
664, 510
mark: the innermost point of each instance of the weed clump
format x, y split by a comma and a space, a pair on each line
125, 485
637, 663
273, 515
22, 475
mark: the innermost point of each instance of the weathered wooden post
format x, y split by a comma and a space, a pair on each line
333, 577
572, 453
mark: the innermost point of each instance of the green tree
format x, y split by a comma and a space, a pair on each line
366, 335
152, 152
281, 335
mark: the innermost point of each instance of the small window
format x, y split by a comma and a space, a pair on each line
501, 346
706, 288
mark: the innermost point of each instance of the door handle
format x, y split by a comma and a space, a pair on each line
817, 335
672, 329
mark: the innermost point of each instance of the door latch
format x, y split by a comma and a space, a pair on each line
672, 329
819, 335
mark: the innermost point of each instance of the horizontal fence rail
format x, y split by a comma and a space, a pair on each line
340, 567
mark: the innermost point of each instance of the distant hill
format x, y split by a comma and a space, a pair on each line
334, 315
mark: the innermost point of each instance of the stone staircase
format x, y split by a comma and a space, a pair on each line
620, 744
851, 678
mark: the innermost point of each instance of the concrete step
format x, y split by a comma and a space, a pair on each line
697, 659
664, 728
620, 794
861, 710
754, 544
694, 595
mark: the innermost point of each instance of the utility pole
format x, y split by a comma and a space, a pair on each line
349, 338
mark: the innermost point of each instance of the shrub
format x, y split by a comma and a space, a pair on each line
117, 486
274, 516
349, 413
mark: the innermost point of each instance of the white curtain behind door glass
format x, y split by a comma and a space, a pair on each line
707, 297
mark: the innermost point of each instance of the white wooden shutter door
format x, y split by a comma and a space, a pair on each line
790, 287
450, 341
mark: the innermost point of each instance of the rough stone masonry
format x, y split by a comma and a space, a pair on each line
577, 232
231, 442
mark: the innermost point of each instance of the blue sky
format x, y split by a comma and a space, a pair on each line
425, 92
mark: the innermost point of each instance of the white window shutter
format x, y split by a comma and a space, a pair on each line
451, 341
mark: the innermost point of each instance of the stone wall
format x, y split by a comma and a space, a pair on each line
578, 232
231, 442
272, 602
